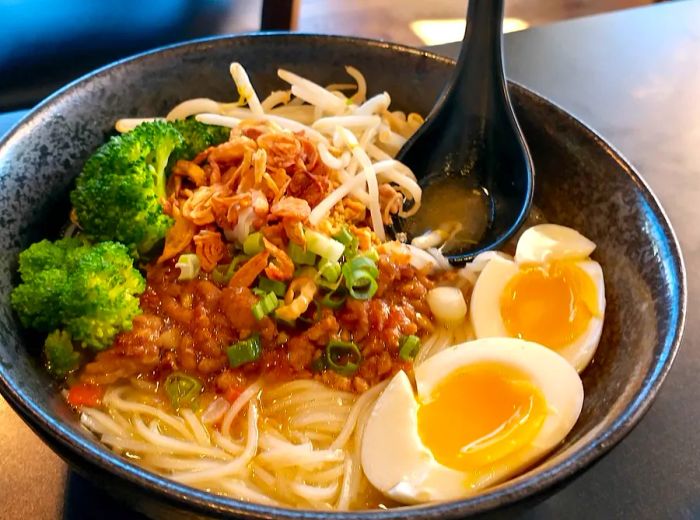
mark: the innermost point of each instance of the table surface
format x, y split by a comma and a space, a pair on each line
634, 76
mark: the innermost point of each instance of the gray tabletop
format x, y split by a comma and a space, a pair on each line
634, 76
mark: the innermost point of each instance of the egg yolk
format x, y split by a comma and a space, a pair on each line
480, 414
551, 305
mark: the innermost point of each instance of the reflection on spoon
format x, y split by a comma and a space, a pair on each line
453, 215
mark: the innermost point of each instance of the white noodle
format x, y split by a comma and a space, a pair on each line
361, 93
329, 159
218, 120
312, 93
232, 122
344, 496
123, 445
374, 105
314, 493
324, 207
153, 436
245, 491
238, 405
128, 124
378, 154
198, 429
229, 468
215, 411
115, 399
276, 97
351, 421
371, 179
302, 114
196, 106
245, 88
101, 422
227, 444
328, 124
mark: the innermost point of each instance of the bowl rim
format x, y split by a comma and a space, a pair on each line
73, 444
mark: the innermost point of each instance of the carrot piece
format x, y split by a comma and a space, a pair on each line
85, 394
232, 393
247, 274
281, 267
210, 248
292, 208
178, 237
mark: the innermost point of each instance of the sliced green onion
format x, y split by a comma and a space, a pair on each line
344, 236
223, 273
267, 285
366, 263
328, 271
244, 351
334, 299
182, 389
319, 364
361, 285
299, 255
253, 244
265, 306
349, 240
343, 357
360, 275
408, 347
372, 254
324, 246
188, 264
258, 292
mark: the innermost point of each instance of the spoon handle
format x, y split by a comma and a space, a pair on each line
480, 78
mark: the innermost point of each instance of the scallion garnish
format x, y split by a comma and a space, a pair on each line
408, 347
299, 255
364, 262
182, 389
222, 273
323, 246
267, 285
253, 244
343, 357
349, 240
328, 271
344, 236
244, 351
319, 364
265, 306
372, 254
188, 264
360, 275
334, 299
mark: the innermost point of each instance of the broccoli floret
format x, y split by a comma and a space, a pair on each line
198, 137
117, 195
91, 291
61, 357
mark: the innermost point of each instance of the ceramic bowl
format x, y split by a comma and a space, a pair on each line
581, 181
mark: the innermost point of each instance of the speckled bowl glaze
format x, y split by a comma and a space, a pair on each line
581, 182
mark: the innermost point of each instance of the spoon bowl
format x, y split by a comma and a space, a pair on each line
472, 138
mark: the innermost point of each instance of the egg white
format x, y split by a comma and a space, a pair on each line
485, 308
398, 464
548, 242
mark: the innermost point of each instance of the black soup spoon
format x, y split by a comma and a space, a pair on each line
470, 156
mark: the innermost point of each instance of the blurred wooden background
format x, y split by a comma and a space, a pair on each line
391, 19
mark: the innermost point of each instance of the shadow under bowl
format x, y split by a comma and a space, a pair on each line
580, 182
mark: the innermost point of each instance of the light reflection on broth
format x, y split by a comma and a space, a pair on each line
447, 203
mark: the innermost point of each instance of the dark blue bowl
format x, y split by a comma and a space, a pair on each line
581, 182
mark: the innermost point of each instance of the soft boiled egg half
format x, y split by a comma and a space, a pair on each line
552, 293
483, 411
